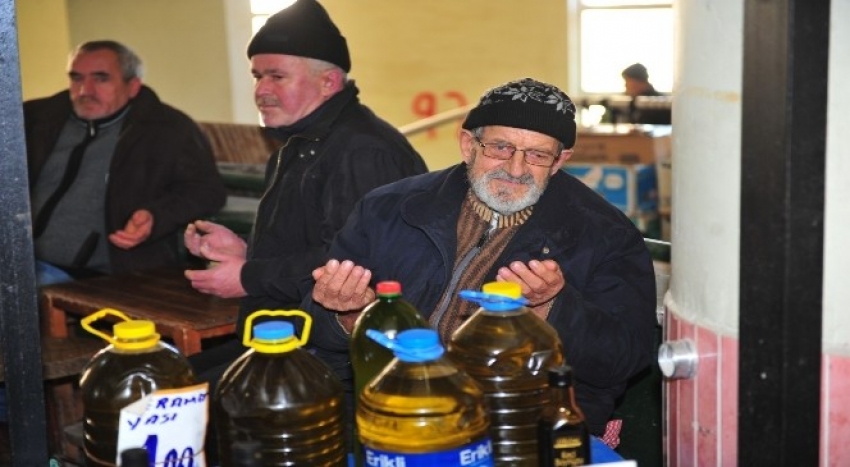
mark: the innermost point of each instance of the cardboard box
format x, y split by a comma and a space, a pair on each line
623, 144
632, 188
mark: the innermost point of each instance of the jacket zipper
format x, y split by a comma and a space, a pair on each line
461, 267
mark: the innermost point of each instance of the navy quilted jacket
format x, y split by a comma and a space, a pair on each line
605, 316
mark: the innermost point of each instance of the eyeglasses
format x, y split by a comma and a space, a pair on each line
504, 151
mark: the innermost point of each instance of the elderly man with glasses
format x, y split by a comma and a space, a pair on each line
507, 213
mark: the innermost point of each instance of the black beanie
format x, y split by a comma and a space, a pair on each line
530, 105
303, 29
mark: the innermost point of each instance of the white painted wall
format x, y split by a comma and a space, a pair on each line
836, 294
707, 164
237, 23
707, 171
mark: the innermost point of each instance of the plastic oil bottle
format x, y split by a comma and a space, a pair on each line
562, 431
134, 365
389, 314
282, 396
421, 410
508, 350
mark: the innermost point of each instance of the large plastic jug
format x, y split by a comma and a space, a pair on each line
389, 314
135, 365
421, 410
282, 396
508, 350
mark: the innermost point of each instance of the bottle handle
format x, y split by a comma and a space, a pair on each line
86, 322
305, 332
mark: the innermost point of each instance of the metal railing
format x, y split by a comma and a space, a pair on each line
435, 120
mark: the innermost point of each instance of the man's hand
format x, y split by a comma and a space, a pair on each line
214, 236
342, 287
541, 281
137, 230
222, 279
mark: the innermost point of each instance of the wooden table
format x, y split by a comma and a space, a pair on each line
165, 297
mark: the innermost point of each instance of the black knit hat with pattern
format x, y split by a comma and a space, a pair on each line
303, 29
527, 104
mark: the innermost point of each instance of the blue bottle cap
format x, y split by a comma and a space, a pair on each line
412, 345
493, 302
274, 330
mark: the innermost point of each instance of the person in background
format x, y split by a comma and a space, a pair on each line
636, 82
335, 150
115, 173
508, 213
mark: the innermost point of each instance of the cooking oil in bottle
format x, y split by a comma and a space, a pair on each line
389, 314
134, 365
282, 396
421, 410
562, 431
508, 350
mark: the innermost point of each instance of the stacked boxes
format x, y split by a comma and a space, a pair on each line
622, 164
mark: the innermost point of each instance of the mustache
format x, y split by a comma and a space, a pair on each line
501, 174
267, 100
87, 100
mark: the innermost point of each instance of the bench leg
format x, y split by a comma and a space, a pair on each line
187, 341
64, 407
53, 320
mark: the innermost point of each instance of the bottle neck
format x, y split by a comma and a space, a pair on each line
564, 398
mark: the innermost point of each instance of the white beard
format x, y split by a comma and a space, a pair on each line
500, 201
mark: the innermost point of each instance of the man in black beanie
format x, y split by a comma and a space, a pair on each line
334, 150
507, 213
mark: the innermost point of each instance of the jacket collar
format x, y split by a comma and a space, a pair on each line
318, 124
441, 209
60, 107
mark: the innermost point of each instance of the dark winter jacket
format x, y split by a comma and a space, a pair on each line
162, 163
312, 184
605, 316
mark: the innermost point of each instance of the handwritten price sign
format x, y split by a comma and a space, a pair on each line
170, 424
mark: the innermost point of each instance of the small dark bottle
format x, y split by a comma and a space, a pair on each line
135, 457
246, 454
564, 440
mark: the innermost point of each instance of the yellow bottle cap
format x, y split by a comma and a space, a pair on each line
135, 334
505, 289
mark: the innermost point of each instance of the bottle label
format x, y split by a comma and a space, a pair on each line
170, 424
477, 454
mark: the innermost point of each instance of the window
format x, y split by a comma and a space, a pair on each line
262, 9
614, 34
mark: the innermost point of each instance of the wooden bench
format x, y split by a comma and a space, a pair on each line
239, 143
241, 152
180, 313
62, 357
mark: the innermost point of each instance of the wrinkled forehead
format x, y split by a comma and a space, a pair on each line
98, 62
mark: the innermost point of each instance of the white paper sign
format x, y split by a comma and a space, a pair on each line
170, 424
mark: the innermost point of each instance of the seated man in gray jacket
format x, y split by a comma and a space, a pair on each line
115, 173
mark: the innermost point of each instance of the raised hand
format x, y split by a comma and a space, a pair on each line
342, 287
